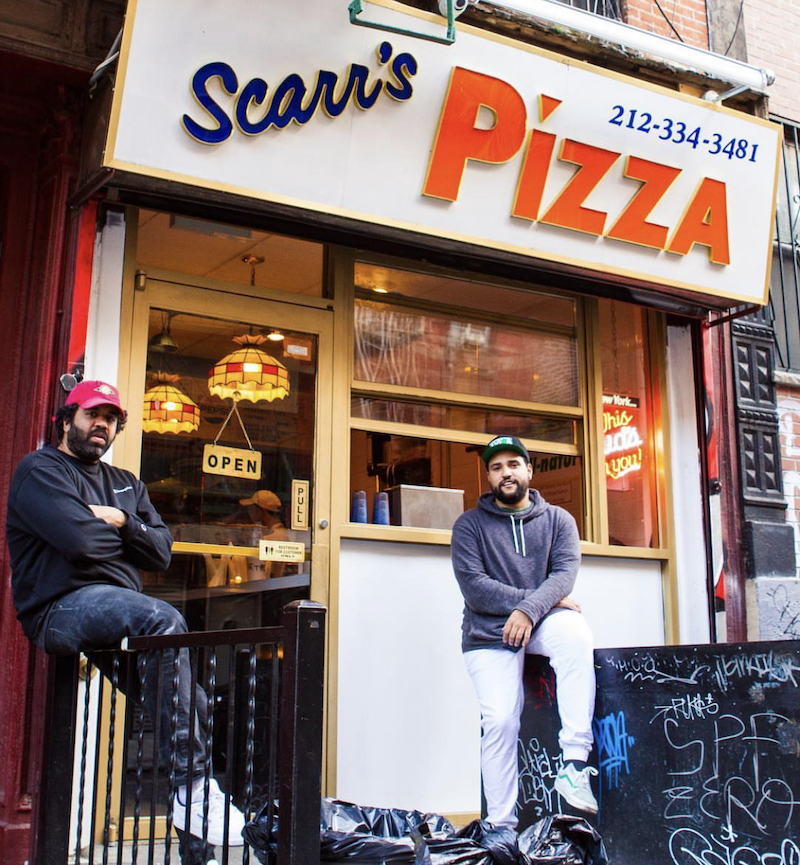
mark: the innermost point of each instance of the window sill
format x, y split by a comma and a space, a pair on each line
400, 534
610, 551
441, 537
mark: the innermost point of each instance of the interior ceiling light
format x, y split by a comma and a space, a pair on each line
275, 336
166, 409
249, 373
163, 341
253, 261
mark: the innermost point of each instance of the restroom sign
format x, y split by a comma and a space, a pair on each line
231, 462
281, 551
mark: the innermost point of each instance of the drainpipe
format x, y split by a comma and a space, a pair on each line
719, 67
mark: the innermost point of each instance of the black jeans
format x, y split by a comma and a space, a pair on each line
98, 617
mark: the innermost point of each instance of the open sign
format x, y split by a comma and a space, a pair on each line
231, 462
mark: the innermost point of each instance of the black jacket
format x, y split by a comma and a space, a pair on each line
56, 544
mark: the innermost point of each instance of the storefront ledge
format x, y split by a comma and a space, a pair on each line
614, 552
786, 378
214, 549
441, 537
400, 534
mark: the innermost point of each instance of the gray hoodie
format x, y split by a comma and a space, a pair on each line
504, 562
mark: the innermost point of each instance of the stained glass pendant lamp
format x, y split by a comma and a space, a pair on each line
168, 409
249, 373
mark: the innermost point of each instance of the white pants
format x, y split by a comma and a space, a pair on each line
565, 639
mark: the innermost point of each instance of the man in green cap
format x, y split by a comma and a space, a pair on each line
516, 559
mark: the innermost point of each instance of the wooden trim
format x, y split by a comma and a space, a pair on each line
380, 390
665, 500
594, 471
340, 265
397, 534
214, 549
459, 819
442, 537
144, 829
239, 289
441, 434
609, 551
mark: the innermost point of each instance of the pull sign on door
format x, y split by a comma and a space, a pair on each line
300, 491
232, 462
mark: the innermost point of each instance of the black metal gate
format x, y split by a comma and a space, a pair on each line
260, 694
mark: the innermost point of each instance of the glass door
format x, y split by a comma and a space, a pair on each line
233, 440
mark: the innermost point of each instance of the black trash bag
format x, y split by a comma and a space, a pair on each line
261, 833
340, 816
194, 852
368, 836
353, 832
561, 840
478, 843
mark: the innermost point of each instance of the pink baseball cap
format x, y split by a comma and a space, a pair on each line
89, 394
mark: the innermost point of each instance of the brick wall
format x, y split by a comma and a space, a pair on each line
687, 16
771, 29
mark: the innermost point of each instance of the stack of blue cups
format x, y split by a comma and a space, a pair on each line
380, 509
358, 507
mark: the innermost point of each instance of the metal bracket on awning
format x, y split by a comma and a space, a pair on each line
709, 323
355, 10
719, 98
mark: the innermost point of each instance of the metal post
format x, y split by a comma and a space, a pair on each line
55, 801
300, 785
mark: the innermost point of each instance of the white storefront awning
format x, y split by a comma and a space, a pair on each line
488, 141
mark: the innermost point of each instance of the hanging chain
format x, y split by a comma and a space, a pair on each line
234, 409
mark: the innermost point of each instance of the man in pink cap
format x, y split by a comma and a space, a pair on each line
79, 531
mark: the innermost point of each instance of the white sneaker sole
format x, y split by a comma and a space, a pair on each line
234, 839
567, 793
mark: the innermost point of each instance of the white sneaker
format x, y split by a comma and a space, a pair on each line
575, 788
218, 803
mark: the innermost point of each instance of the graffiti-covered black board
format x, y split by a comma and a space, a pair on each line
698, 752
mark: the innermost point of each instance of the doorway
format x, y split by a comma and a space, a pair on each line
233, 443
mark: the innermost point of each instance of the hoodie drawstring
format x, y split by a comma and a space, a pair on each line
521, 541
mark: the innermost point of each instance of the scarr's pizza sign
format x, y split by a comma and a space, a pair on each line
487, 141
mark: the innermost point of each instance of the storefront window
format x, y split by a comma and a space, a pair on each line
219, 251
628, 429
453, 352
440, 365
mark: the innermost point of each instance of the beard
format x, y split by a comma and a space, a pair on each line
511, 495
88, 451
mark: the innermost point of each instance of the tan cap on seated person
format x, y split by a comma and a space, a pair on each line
265, 499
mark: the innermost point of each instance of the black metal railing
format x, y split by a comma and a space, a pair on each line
239, 708
784, 302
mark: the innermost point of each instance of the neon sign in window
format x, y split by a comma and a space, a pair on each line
621, 439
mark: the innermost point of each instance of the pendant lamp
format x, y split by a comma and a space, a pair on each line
167, 409
249, 373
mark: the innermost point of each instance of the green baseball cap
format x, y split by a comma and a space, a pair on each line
504, 443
